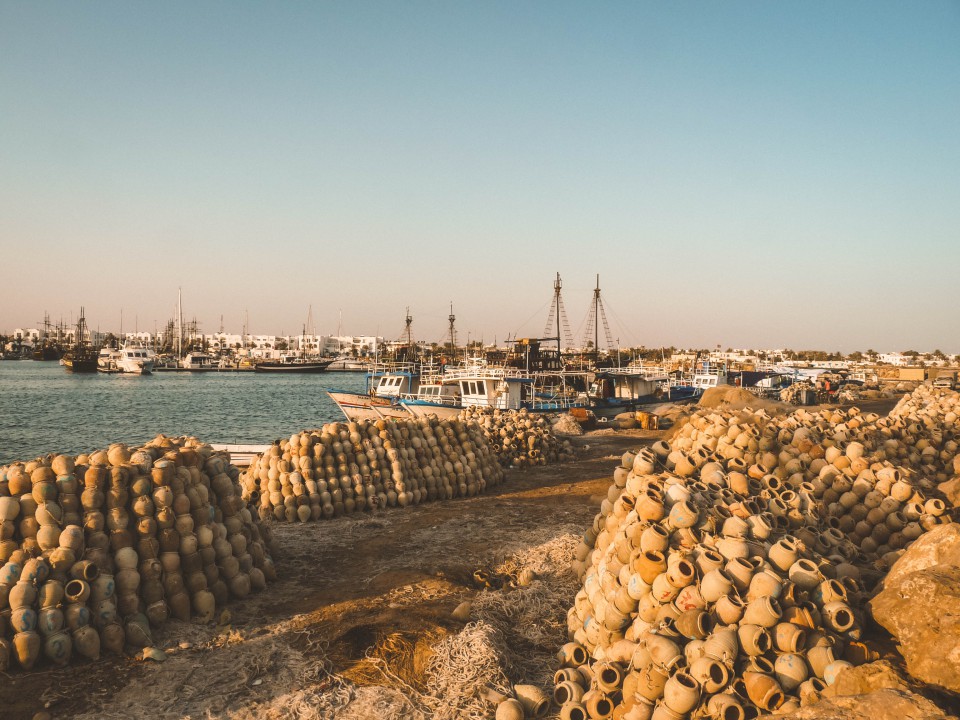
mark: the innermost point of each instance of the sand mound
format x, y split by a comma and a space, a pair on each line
566, 424
734, 398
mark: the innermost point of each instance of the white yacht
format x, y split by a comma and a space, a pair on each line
136, 360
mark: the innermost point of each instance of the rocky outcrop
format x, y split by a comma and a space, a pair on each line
940, 546
878, 705
920, 606
880, 675
951, 491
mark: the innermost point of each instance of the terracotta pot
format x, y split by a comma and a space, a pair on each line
608, 677
572, 654
598, 705
533, 700
26, 646
754, 640
714, 585
681, 693
713, 676
729, 609
763, 690
693, 624
58, 647
765, 612
567, 691
725, 707
790, 670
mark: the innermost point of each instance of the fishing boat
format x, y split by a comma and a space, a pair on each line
81, 358
292, 364
298, 362
386, 383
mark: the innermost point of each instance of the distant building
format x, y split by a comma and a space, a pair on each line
897, 359
27, 335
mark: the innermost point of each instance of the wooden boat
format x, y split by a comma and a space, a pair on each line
81, 358
292, 364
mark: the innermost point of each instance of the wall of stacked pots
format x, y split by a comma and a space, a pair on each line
344, 468
99, 549
727, 571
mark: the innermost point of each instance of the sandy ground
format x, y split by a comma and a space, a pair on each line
348, 587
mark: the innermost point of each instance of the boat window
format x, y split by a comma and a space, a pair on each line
481, 387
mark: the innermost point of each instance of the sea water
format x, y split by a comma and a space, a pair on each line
45, 409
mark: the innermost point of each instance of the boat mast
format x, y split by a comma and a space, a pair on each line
453, 333
596, 325
179, 324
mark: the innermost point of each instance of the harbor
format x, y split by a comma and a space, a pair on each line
479, 361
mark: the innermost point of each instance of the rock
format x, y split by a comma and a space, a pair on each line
951, 490
884, 704
940, 546
922, 610
880, 675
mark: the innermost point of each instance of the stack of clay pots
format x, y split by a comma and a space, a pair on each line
519, 438
726, 572
349, 467
98, 549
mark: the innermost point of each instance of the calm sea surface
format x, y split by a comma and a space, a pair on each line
44, 409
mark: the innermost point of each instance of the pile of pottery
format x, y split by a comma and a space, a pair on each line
367, 465
519, 439
796, 393
727, 570
97, 550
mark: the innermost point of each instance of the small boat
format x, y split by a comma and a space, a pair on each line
345, 363
292, 364
107, 360
198, 361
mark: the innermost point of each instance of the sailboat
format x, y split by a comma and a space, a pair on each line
81, 358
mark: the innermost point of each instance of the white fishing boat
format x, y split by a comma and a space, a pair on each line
386, 383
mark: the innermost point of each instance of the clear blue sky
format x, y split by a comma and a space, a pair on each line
742, 173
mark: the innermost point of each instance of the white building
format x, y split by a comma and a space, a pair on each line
27, 335
895, 358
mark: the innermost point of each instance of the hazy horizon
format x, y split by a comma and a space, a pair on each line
743, 174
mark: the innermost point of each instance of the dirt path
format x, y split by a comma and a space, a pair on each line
348, 587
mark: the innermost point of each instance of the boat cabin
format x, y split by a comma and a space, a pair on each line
198, 361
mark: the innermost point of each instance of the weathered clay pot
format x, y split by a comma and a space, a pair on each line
681, 693
764, 691
58, 647
26, 646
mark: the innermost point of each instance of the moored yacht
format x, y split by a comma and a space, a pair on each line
135, 360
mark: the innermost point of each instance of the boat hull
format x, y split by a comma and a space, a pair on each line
80, 366
360, 406
301, 368
422, 409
